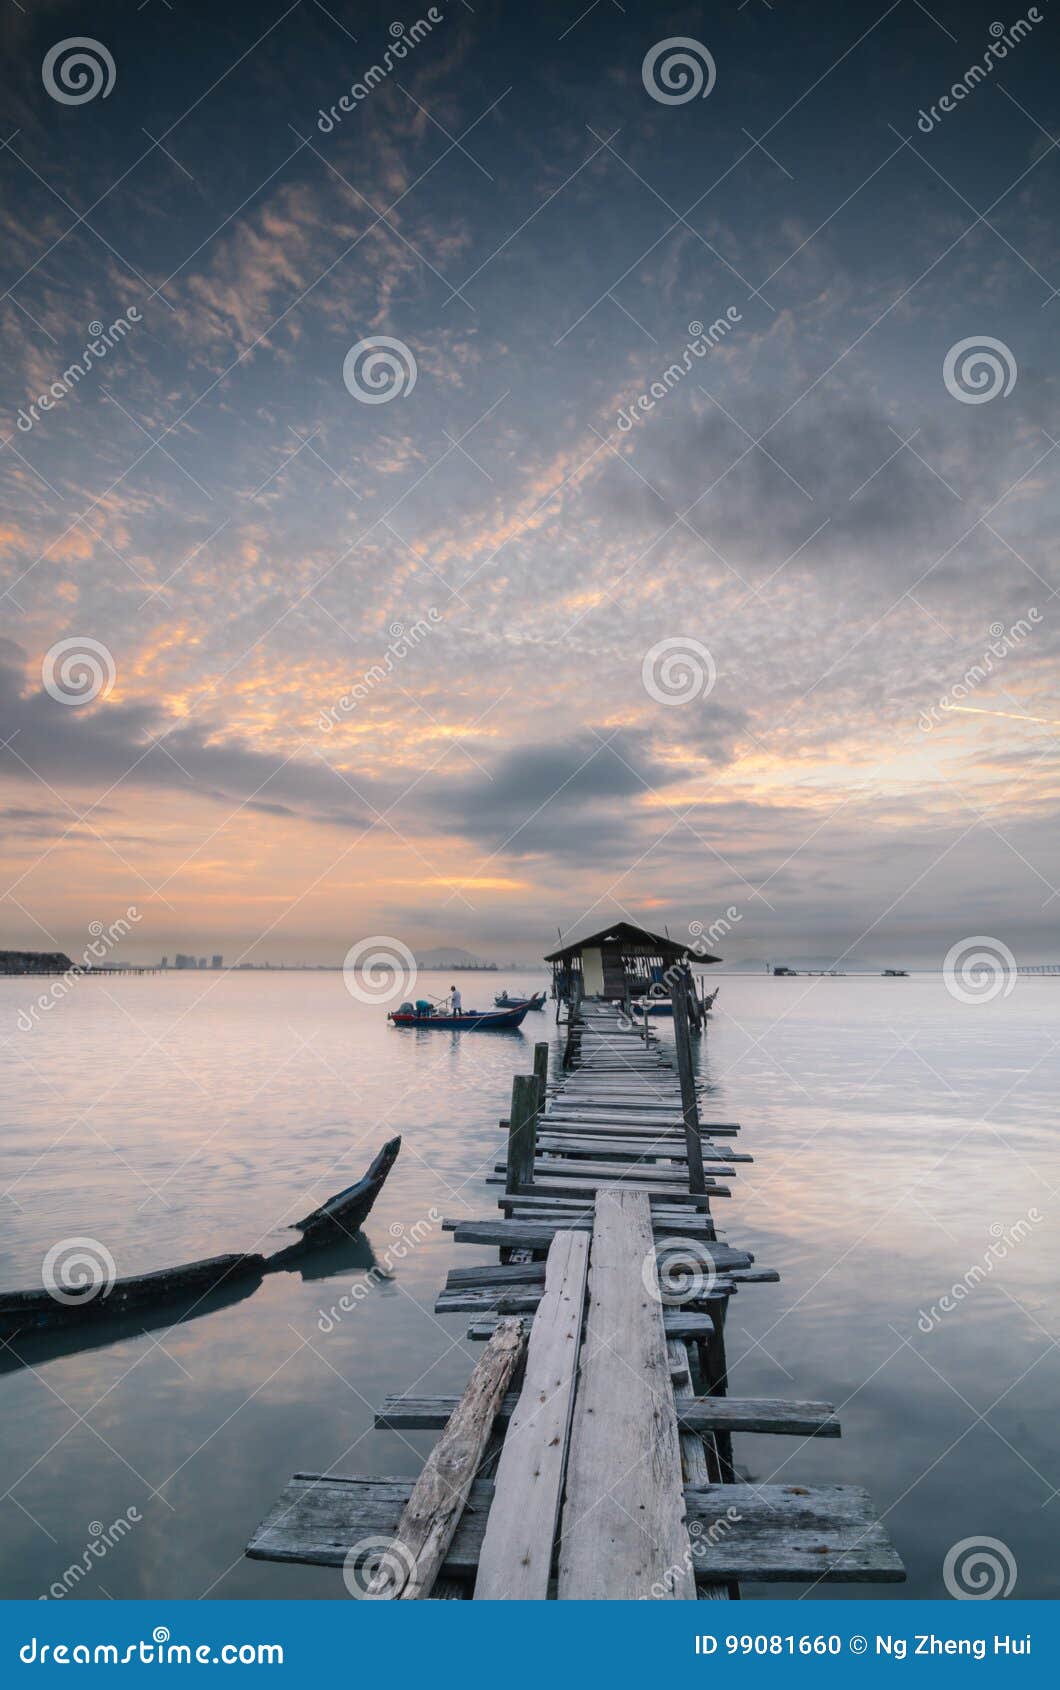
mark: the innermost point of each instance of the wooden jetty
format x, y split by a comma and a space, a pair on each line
591, 1455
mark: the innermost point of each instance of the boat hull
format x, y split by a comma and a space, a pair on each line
472, 1021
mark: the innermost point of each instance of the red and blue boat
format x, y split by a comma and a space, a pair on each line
469, 1021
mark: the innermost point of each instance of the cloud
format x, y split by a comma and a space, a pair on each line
108, 745
556, 798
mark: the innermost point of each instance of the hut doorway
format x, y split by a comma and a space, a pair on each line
593, 972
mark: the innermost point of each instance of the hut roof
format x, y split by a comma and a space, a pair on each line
634, 941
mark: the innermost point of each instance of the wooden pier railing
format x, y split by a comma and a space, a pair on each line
591, 1455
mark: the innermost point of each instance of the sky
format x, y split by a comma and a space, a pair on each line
544, 464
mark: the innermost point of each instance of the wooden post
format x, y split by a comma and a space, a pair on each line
541, 1070
522, 1131
689, 1105
715, 1375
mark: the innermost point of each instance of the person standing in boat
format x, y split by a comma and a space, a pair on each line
456, 1001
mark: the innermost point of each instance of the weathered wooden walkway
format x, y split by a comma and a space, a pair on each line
591, 1454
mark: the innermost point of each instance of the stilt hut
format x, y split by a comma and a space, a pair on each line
618, 963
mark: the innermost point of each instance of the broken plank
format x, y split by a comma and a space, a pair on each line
429, 1519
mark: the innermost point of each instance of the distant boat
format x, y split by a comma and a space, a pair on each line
535, 1002
471, 1021
896, 974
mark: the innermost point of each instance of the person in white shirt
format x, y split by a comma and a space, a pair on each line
456, 1001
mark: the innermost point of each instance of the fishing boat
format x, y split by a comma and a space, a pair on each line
470, 1021
535, 1002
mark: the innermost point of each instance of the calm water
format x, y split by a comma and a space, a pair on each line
897, 1134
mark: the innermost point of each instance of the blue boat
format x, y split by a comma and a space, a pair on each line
471, 1021
535, 1002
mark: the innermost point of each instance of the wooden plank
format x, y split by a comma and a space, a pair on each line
429, 1414
430, 1516
319, 1517
414, 1413
502, 1299
516, 1556
537, 1235
781, 1532
524, 1299
497, 1273
583, 1167
569, 1210
623, 1527
749, 1414
777, 1533
570, 1142
678, 1323
575, 1182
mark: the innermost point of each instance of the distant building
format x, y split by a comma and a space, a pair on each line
218, 962
185, 961
165, 962
202, 962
